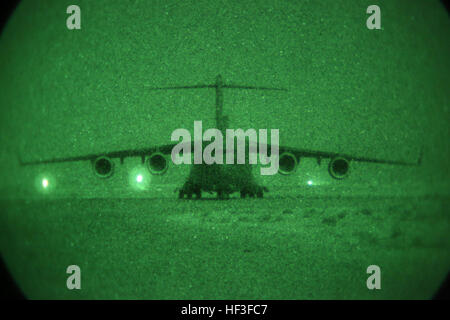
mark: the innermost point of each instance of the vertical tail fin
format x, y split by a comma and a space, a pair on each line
19, 158
419, 160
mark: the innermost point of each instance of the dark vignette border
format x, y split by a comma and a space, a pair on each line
9, 289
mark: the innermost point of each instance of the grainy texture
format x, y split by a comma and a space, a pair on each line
372, 93
313, 248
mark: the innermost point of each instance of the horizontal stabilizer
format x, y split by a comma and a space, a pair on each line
252, 88
215, 86
200, 86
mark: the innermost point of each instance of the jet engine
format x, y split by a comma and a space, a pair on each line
338, 168
287, 163
103, 167
157, 163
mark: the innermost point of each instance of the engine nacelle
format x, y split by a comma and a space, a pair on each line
103, 167
157, 163
338, 168
287, 163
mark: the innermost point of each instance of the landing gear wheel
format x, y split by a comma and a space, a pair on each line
222, 195
253, 191
188, 190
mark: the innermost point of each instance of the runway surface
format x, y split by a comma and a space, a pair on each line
279, 248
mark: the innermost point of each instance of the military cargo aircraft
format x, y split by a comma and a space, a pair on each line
223, 179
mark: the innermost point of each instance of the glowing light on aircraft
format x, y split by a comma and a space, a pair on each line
139, 178
44, 182
310, 183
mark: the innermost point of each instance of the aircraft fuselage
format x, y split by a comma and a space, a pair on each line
221, 178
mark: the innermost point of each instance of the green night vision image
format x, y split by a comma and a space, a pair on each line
225, 149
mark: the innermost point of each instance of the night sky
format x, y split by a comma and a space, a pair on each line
375, 93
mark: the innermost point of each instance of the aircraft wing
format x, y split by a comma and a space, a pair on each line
122, 154
319, 155
167, 149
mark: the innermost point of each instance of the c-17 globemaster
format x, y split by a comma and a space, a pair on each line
223, 179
